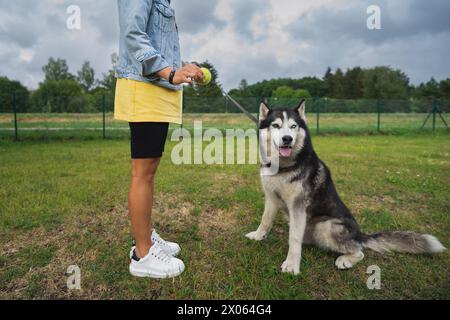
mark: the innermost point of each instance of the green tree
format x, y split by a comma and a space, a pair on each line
338, 85
243, 85
431, 89
353, 83
287, 96
109, 78
243, 90
302, 94
59, 96
213, 89
289, 93
328, 82
11, 90
385, 83
444, 87
314, 86
86, 77
100, 98
56, 70
207, 98
283, 92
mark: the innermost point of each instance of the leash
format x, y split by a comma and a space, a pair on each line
237, 104
240, 107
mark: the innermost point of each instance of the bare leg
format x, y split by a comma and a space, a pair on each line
140, 202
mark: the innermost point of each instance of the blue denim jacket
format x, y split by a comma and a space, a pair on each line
148, 41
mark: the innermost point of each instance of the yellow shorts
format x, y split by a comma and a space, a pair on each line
138, 101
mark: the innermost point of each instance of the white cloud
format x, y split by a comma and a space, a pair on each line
26, 55
252, 39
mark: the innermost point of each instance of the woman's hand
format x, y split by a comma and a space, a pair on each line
188, 74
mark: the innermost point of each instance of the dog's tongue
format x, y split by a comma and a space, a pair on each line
285, 152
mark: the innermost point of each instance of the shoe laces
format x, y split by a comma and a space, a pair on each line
157, 238
161, 255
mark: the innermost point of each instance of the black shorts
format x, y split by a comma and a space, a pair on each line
148, 139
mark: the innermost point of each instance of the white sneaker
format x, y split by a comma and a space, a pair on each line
171, 248
157, 264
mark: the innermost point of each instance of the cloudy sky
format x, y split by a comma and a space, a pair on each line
252, 39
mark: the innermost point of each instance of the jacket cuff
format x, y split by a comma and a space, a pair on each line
151, 62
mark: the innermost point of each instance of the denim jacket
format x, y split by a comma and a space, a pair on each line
149, 41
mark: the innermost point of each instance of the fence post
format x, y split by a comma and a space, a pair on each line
434, 113
378, 114
318, 115
16, 131
104, 116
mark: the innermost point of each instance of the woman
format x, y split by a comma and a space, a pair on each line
149, 97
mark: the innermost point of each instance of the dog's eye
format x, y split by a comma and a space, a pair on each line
276, 126
293, 126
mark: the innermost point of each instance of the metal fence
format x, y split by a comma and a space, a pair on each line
65, 117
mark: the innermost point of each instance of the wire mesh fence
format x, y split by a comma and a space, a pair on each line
75, 117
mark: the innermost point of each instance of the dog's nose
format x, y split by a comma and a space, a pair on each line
287, 139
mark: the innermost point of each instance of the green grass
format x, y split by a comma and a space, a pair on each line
90, 126
63, 203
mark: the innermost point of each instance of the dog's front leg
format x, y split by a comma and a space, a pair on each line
297, 224
270, 211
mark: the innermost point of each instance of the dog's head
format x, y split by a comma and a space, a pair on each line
285, 128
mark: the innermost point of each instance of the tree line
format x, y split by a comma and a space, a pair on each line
83, 92
61, 91
355, 83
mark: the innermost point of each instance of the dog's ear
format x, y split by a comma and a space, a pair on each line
301, 108
263, 111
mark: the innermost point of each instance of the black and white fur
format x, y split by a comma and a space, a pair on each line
304, 190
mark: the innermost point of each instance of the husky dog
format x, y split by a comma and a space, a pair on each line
304, 190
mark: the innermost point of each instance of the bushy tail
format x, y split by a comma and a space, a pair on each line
402, 241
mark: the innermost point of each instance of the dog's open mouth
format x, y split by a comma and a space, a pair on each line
285, 151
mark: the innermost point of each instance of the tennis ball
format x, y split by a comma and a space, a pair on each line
207, 77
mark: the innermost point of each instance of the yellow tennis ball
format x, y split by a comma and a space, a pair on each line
207, 77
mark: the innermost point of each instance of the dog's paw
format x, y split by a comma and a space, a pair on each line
343, 263
289, 266
255, 235
348, 261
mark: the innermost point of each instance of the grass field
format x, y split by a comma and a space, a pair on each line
63, 203
48, 126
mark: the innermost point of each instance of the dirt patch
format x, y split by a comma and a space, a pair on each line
84, 239
69, 239
213, 220
361, 202
169, 213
